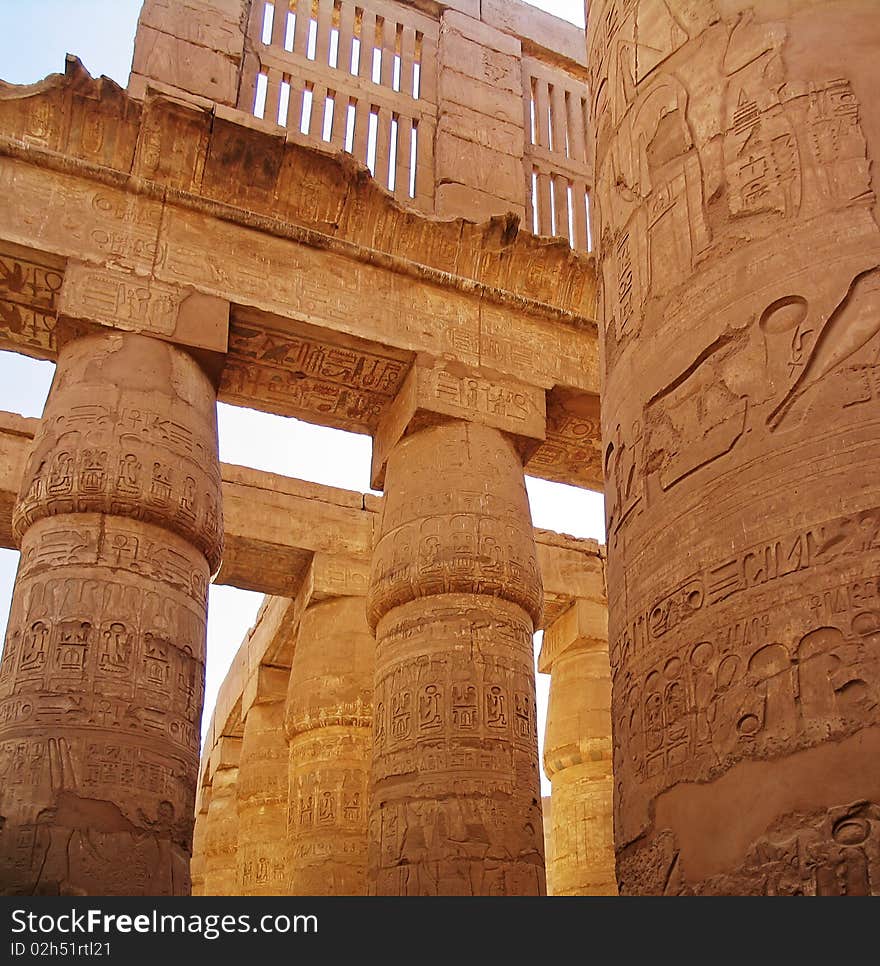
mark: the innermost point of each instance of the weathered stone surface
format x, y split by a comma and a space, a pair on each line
547, 812
492, 172
480, 154
165, 245
496, 68
123, 300
281, 533
261, 793
458, 88
130, 430
197, 863
16, 439
477, 31
308, 253
220, 843
574, 567
455, 597
435, 391
215, 24
577, 750
185, 65
452, 197
102, 675
483, 129
739, 251
328, 720
560, 38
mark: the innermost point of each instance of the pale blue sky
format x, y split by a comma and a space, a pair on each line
34, 38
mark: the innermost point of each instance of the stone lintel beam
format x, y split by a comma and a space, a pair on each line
584, 626
187, 158
436, 391
571, 568
274, 525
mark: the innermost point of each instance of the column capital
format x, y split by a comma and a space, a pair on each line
583, 627
436, 391
129, 431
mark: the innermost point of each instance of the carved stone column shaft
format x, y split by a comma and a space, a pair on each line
102, 676
455, 594
197, 864
262, 802
736, 211
577, 752
221, 834
328, 720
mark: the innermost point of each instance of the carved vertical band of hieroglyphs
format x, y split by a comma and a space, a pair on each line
262, 803
102, 676
328, 724
455, 595
739, 256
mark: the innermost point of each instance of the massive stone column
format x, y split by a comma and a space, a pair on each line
577, 752
102, 674
455, 596
220, 841
328, 723
739, 252
197, 863
262, 788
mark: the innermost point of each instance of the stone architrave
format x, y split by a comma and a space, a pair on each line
102, 676
262, 790
739, 254
455, 596
577, 752
328, 720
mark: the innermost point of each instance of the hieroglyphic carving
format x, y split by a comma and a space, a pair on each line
824, 851
102, 676
577, 752
475, 542
830, 853
220, 845
28, 301
115, 669
328, 720
757, 342
572, 450
261, 791
127, 459
455, 808
339, 384
121, 300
